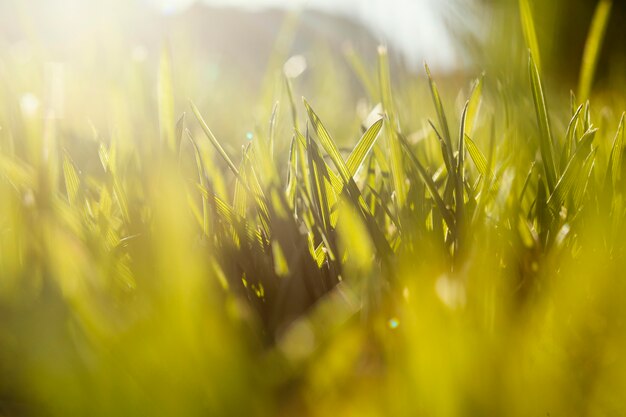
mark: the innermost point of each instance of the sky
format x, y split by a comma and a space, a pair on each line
413, 26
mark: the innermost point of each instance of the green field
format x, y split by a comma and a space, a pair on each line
453, 252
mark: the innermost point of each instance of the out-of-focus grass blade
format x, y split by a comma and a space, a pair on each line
166, 100
530, 34
18, 173
593, 46
240, 201
213, 140
230, 218
108, 158
359, 68
545, 134
292, 104
180, 129
72, 181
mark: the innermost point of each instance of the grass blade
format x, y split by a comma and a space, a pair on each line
530, 34
545, 134
593, 45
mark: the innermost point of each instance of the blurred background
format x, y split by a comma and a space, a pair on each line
235, 43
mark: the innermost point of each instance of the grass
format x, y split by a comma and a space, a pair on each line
466, 261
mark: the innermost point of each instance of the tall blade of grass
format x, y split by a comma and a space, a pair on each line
593, 45
460, 182
292, 173
441, 115
446, 154
213, 140
545, 134
318, 177
530, 34
397, 165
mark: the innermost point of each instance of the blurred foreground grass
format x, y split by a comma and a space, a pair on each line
453, 255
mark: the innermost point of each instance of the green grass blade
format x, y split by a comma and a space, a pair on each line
593, 46
545, 134
397, 165
530, 34
363, 148
441, 115
477, 157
